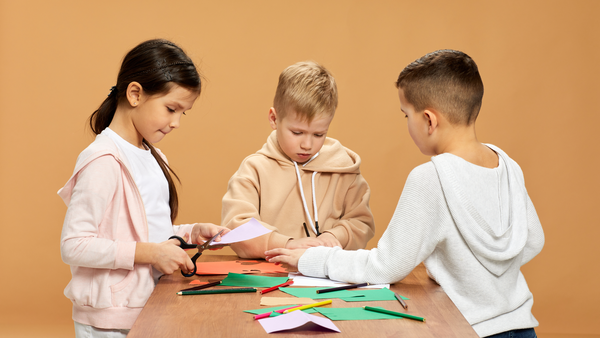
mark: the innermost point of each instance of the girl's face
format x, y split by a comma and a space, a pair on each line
156, 116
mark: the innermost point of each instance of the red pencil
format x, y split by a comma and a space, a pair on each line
290, 282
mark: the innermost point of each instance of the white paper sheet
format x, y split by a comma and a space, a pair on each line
301, 280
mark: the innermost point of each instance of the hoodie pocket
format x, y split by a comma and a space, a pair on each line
121, 292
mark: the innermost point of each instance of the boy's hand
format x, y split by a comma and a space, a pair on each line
302, 243
290, 257
169, 257
329, 240
204, 231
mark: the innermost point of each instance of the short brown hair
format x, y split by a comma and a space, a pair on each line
446, 80
308, 88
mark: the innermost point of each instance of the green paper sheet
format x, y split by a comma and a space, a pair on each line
275, 308
353, 313
371, 295
240, 279
312, 293
362, 295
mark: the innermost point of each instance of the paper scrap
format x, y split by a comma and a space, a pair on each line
197, 282
246, 231
250, 266
269, 309
296, 319
354, 295
272, 301
240, 279
301, 280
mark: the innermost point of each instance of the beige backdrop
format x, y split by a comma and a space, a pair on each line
539, 61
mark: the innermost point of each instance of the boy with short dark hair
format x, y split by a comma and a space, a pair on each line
303, 185
466, 214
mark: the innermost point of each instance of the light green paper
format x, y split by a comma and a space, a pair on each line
361, 295
312, 293
372, 295
353, 313
275, 308
240, 279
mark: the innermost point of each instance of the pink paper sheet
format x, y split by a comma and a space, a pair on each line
246, 231
294, 320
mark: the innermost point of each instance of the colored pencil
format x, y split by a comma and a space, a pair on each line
200, 287
291, 307
394, 313
399, 298
290, 282
308, 306
352, 286
263, 315
215, 291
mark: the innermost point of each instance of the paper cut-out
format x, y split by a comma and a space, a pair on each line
223, 268
275, 308
271, 301
296, 319
197, 282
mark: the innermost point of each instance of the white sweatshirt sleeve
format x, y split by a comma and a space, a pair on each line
412, 235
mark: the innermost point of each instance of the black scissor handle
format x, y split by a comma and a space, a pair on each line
184, 245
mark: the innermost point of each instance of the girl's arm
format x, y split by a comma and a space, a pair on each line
88, 240
85, 240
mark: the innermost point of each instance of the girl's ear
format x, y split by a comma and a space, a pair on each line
134, 93
273, 118
432, 118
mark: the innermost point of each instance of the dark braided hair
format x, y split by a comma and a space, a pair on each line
155, 65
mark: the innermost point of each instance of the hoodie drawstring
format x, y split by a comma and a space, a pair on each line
314, 226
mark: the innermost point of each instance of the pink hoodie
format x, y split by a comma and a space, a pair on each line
105, 218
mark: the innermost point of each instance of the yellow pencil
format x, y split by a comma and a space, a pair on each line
308, 306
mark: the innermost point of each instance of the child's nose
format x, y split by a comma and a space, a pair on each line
175, 122
306, 143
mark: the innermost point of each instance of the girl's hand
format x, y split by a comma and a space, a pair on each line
204, 231
329, 240
290, 257
168, 257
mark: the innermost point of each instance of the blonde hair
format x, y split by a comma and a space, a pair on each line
308, 88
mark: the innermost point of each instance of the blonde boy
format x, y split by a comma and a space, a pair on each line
466, 214
303, 185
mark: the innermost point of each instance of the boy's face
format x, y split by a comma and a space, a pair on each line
418, 124
299, 139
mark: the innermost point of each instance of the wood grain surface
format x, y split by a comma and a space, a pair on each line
221, 315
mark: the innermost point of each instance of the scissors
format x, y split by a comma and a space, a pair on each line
201, 247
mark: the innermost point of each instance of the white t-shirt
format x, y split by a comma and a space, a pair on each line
153, 187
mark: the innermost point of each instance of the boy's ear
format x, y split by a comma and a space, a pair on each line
273, 118
134, 93
432, 118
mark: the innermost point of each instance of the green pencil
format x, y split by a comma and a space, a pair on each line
394, 313
208, 292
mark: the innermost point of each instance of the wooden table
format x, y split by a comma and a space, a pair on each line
221, 315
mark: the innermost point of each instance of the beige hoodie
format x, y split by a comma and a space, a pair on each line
266, 187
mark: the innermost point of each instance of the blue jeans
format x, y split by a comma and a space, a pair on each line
523, 333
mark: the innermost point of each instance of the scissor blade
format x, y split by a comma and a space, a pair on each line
206, 245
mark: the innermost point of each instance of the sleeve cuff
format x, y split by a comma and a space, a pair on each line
125, 255
314, 261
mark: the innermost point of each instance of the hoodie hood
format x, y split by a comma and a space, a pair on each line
332, 158
495, 247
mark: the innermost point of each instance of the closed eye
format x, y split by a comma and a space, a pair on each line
170, 110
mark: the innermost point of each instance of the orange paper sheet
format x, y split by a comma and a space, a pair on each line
223, 268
